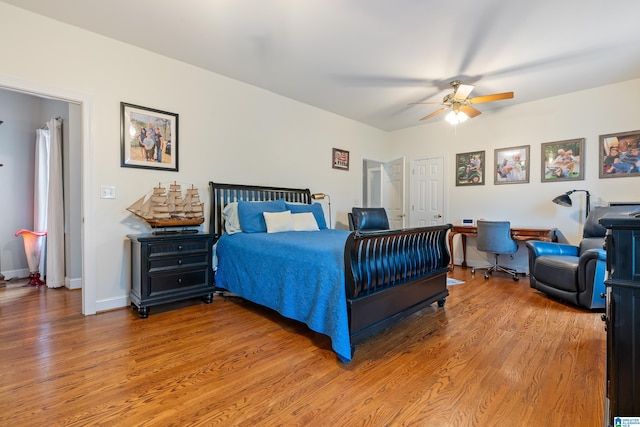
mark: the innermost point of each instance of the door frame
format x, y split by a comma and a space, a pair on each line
87, 233
367, 191
369, 199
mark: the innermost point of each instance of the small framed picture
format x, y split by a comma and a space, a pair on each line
563, 160
148, 138
470, 168
619, 155
512, 165
340, 159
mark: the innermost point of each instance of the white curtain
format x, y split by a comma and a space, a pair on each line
48, 206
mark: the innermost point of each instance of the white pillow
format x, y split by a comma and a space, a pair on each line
231, 218
305, 221
278, 221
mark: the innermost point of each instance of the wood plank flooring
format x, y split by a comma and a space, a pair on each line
498, 354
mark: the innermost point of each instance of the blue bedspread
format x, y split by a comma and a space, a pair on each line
300, 274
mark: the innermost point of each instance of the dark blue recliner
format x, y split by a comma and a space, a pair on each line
574, 274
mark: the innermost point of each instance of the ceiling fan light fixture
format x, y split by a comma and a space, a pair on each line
460, 103
455, 117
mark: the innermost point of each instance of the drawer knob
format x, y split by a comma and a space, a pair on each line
179, 247
179, 262
180, 281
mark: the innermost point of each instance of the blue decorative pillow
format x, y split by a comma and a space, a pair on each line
250, 214
315, 209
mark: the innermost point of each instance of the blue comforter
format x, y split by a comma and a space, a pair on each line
300, 274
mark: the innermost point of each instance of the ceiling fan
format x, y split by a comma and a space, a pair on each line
460, 103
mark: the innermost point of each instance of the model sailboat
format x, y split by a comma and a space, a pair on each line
162, 209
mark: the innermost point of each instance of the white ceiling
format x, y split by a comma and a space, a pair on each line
367, 59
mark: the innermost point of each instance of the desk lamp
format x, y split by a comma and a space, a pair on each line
565, 200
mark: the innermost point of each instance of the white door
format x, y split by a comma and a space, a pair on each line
393, 192
427, 192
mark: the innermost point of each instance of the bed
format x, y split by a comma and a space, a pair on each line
347, 285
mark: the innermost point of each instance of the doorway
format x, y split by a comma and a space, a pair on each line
371, 184
76, 130
383, 185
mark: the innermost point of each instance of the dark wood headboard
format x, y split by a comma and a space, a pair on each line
223, 194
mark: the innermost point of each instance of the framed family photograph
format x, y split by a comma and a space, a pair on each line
340, 159
512, 165
563, 160
619, 154
148, 138
470, 168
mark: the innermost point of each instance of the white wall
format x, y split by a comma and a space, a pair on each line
228, 132
587, 114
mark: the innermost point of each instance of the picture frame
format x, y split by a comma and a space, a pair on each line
340, 159
511, 165
562, 160
619, 155
153, 151
470, 168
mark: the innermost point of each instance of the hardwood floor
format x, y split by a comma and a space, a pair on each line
498, 354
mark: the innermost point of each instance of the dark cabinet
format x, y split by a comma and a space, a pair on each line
170, 267
622, 317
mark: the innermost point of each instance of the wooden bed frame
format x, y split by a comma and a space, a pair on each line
389, 274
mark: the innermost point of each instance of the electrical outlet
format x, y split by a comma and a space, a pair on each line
108, 192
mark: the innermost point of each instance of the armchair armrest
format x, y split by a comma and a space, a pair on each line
597, 254
592, 268
538, 248
587, 265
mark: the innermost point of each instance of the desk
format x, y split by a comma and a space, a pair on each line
522, 234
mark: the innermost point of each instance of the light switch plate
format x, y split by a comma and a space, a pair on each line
108, 192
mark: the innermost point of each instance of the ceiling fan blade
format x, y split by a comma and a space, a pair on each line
470, 111
489, 98
463, 92
435, 113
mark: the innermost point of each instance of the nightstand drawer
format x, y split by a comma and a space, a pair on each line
173, 282
177, 262
176, 248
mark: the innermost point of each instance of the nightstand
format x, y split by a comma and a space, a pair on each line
170, 267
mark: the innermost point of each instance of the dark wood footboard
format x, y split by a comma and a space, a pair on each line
392, 274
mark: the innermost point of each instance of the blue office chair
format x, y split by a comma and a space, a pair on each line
495, 237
